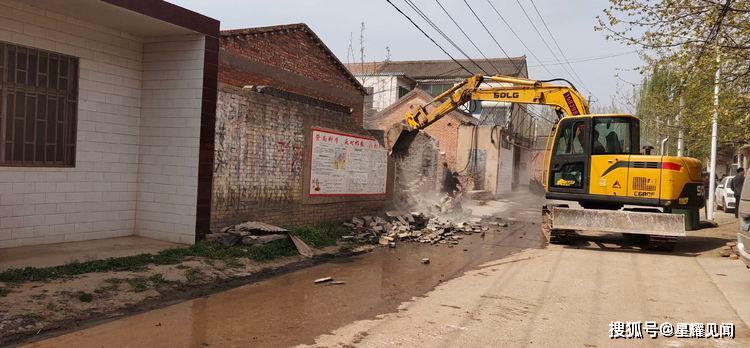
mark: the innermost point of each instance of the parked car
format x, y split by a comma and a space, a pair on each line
724, 195
743, 236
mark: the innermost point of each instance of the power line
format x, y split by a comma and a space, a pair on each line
467, 36
545, 42
518, 69
428, 36
442, 33
558, 45
583, 59
519, 38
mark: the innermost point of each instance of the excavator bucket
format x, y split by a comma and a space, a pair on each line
618, 221
392, 135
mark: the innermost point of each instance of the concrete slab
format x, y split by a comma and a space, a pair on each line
62, 253
733, 279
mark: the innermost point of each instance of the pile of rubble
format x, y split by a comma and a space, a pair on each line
730, 251
418, 194
248, 233
415, 227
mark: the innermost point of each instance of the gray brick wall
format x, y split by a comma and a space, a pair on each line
260, 153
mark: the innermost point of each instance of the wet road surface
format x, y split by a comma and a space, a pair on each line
290, 309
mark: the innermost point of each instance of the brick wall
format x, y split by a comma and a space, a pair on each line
444, 131
290, 58
260, 155
417, 168
97, 198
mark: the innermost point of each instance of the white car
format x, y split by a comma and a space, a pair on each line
724, 195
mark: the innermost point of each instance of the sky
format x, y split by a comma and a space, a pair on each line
571, 23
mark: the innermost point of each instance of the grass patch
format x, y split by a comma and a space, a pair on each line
139, 284
192, 275
318, 236
85, 297
233, 263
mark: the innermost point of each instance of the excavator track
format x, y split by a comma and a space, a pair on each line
661, 243
555, 236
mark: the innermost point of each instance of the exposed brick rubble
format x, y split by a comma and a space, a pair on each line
418, 227
248, 233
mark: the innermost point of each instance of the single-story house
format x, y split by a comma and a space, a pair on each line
107, 120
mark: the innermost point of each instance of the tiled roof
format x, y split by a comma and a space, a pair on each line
280, 29
443, 69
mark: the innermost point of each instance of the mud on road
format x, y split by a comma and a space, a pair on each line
290, 309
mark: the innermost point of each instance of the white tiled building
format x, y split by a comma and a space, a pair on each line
143, 87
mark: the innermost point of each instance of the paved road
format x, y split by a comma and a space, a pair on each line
567, 296
559, 296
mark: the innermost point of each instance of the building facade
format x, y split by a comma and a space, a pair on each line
281, 90
106, 112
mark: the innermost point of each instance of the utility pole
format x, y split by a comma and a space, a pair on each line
714, 139
680, 115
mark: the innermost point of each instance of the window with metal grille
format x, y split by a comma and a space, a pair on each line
38, 107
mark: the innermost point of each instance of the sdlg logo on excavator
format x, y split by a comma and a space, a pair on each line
506, 95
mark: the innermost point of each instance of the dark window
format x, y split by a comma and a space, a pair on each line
402, 92
611, 136
570, 139
38, 107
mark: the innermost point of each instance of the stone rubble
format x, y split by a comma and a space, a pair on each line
416, 227
248, 233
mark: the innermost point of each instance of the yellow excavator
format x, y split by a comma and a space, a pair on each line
592, 160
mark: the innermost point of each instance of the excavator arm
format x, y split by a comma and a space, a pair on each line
564, 99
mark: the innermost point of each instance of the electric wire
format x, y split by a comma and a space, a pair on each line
575, 73
526, 14
468, 37
519, 37
518, 69
442, 33
428, 36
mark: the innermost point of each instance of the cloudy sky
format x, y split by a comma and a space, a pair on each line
603, 68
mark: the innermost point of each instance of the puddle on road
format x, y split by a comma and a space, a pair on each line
290, 309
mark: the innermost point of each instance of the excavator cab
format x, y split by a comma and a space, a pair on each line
588, 156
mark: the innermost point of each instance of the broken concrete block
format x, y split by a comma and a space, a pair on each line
383, 241
264, 239
425, 260
731, 244
228, 240
734, 257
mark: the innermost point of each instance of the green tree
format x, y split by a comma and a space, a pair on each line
679, 41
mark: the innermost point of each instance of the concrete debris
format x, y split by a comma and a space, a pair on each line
253, 228
730, 250
302, 247
398, 227
249, 233
323, 280
258, 240
425, 260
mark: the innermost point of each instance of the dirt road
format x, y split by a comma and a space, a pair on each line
510, 296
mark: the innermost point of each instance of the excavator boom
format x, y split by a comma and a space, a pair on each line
564, 99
